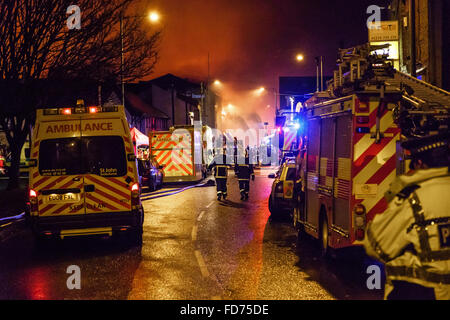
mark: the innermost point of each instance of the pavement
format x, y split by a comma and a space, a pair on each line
194, 248
12, 202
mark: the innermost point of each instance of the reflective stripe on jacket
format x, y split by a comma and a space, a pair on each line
412, 237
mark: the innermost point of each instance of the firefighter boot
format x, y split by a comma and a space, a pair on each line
219, 196
242, 195
224, 196
246, 196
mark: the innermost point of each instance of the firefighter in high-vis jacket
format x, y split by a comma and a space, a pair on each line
412, 237
245, 171
221, 163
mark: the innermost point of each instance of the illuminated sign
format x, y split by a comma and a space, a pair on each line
383, 31
64, 128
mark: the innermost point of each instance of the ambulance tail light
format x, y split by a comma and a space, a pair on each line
33, 200
135, 195
359, 221
33, 194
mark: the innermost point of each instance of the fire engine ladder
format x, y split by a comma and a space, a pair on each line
424, 93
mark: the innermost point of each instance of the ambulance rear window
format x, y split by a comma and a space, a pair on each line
105, 156
59, 157
100, 155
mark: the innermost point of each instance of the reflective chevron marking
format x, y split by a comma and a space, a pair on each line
107, 186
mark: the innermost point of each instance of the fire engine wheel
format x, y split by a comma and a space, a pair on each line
324, 248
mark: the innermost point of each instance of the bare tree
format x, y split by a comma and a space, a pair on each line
37, 49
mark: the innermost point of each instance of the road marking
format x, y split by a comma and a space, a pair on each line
201, 264
194, 233
209, 205
200, 216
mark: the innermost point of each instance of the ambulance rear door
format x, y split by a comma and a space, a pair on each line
58, 180
109, 174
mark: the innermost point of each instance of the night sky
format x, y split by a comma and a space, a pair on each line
253, 42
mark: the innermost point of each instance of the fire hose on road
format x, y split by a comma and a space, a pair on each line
175, 191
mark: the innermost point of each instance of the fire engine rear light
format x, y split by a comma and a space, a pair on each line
359, 209
362, 107
359, 234
359, 222
362, 119
66, 111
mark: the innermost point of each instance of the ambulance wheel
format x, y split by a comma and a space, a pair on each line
135, 234
41, 242
324, 236
135, 237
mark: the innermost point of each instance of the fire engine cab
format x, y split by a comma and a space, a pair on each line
83, 178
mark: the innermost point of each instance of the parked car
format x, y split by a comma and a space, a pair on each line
151, 174
280, 200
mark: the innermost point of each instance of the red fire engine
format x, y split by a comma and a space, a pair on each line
351, 150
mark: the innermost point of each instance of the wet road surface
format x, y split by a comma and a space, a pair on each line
194, 248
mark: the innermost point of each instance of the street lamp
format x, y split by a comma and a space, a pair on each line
260, 91
152, 17
300, 57
319, 61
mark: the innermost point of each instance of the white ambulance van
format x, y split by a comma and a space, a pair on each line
83, 178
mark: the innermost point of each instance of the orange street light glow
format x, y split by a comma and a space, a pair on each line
300, 57
260, 91
154, 16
